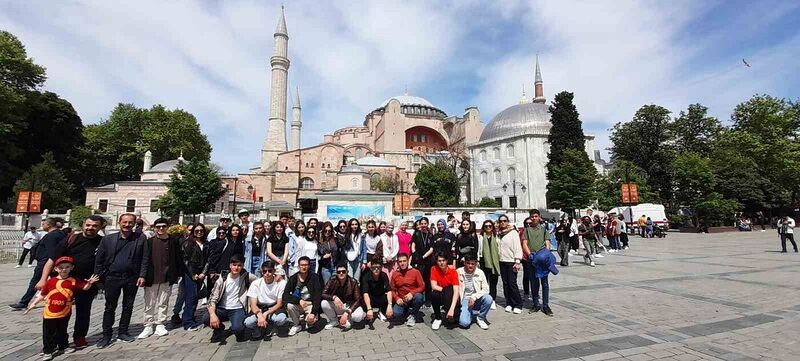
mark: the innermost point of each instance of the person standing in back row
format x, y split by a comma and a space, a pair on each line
163, 263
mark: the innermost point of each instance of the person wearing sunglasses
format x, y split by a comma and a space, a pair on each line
328, 251
266, 302
195, 255
376, 294
510, 254
163, 262
408, 290
489, 255
341, 300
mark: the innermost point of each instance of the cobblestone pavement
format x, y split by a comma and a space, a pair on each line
686, 297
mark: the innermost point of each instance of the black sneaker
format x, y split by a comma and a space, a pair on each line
125, 337
16, 306
176, 319
547, 311
104, 342
535, 309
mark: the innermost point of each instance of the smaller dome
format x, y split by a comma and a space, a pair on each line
164, 167
352, 168
374, 162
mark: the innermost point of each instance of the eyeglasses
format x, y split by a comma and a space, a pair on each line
503, 221
341, 272
198, 231
160, 226
304, 265
267, 270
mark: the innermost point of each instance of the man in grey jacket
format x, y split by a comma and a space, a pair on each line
228, 301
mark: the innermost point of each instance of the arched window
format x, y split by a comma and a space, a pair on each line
306, 183
358, 153
512, 174
355, 183
484, 178
483, 156
510, 150
496, 153
497, 177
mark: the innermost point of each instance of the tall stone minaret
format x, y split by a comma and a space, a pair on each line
296, 120
275, 142
538, 96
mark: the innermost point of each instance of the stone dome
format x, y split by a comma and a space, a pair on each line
164, 167
414, 105
520, 119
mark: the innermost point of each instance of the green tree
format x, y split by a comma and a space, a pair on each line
46, 177
715, 210
438, 184
694, 179
569, 186
608, 189
570, 172
193, 189
388, 182
693, 131
489, 203
78, 214
114, 149
643, 141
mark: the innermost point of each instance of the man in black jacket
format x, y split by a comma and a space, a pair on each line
119, 264
303, 296
82, 248
163, 263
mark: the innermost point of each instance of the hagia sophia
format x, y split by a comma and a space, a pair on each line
507, 157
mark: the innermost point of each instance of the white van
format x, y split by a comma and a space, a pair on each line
632, 213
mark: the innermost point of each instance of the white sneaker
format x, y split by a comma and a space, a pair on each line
494, 305
381, 316
572, 251
591, 263
347, 325
30, 265
517, 311
17, 266
161, 330
436, 323
411, 321
599, 255
295, 329
330, 326
147, 332
482, 324
626, 247
508, 309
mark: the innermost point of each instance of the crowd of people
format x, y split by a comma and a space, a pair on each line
258, 276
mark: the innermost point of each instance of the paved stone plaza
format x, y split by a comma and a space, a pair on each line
687, 297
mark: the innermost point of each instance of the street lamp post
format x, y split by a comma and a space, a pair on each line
513, 183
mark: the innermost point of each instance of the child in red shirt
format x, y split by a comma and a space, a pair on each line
58, 294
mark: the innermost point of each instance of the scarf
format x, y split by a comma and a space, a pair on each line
491, 254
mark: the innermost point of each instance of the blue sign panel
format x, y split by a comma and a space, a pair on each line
337, 212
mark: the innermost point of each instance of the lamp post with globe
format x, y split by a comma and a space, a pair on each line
513, 185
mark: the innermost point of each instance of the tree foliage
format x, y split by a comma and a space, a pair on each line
388, 182
78, 214
487, 202
694, 179
115, 148
46, 177
715, 210
569, 185
438, 184
643, 141
608, 189
193, 189
567, 130
693, 131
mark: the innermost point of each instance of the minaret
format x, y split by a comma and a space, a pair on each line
296, 123
148, 161
524, 99
275, 142
538, 89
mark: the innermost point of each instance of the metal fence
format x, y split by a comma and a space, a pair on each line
10, 245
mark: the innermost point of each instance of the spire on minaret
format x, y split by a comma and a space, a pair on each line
524, 99
296, 120
538, 96
281, 28
275, 141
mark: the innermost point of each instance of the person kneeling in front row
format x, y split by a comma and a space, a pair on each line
341, 300
444, 291
266, 302
303, 297
228, 300
475, 299
408, 291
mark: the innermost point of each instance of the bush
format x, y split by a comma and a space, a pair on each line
716, 211
487, 202
177, 230
78, 214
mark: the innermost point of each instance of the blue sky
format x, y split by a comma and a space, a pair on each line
212, 58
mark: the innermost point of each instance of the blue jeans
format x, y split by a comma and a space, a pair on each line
354, 269
535, 281
480, 308
326, 274
190, 288
31, 291
410, 308
276, 319
236, 317
181, 299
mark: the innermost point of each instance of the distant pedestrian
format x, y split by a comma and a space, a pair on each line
30, 239
786, 229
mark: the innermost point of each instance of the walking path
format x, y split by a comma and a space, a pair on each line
727, 296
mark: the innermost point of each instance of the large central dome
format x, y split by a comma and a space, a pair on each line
414, 105
520, 119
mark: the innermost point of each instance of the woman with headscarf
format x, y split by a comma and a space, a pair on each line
444, 242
